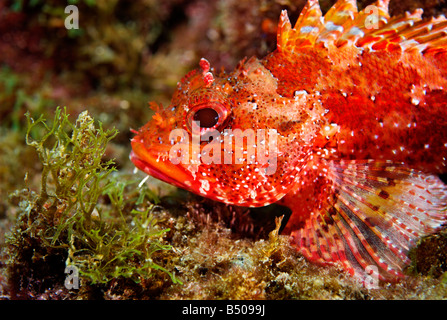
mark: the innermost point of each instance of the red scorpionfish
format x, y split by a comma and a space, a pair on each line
353, 105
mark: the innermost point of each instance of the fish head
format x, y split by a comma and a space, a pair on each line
230, 138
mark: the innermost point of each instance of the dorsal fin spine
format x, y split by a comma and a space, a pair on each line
372, 29
284, 28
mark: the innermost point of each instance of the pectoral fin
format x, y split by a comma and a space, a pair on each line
371, 217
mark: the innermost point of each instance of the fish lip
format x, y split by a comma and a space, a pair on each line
145, 161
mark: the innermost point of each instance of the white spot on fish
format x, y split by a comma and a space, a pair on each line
330, 26
356, 32
307, 29
205, 186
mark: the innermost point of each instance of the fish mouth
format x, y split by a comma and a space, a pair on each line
150, 163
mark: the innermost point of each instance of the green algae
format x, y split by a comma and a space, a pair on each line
65, 224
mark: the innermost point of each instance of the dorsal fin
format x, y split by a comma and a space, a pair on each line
370, 18
338, 16
370, 28
390, 33
306, 30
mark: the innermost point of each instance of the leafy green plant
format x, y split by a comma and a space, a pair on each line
73, 171
68, 217
127, 253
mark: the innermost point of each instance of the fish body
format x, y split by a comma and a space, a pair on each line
345, 123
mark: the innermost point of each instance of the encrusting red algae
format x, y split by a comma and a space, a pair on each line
345, 123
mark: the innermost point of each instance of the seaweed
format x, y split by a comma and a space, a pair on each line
123, 55
66, 225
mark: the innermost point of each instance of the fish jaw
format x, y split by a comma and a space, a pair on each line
152, 164
220, 182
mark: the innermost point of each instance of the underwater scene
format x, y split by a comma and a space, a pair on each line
223, 150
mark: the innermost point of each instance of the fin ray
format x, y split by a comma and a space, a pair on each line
306, 28
370, 28
341, 13
375, 214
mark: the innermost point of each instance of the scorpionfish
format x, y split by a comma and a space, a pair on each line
352, 110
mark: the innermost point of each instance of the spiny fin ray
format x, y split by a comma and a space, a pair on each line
341, 14
373, 218
371, 28
306, 29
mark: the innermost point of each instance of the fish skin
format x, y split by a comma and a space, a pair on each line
361, 122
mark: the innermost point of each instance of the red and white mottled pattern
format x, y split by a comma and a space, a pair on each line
358, 101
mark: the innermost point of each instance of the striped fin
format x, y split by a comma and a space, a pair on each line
341, 14
370, 18
305, 31
408, 33
311, 27
391, 32
376, 213
427, 36
370, 28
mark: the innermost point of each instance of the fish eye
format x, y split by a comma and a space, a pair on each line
210, 115
207, 117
